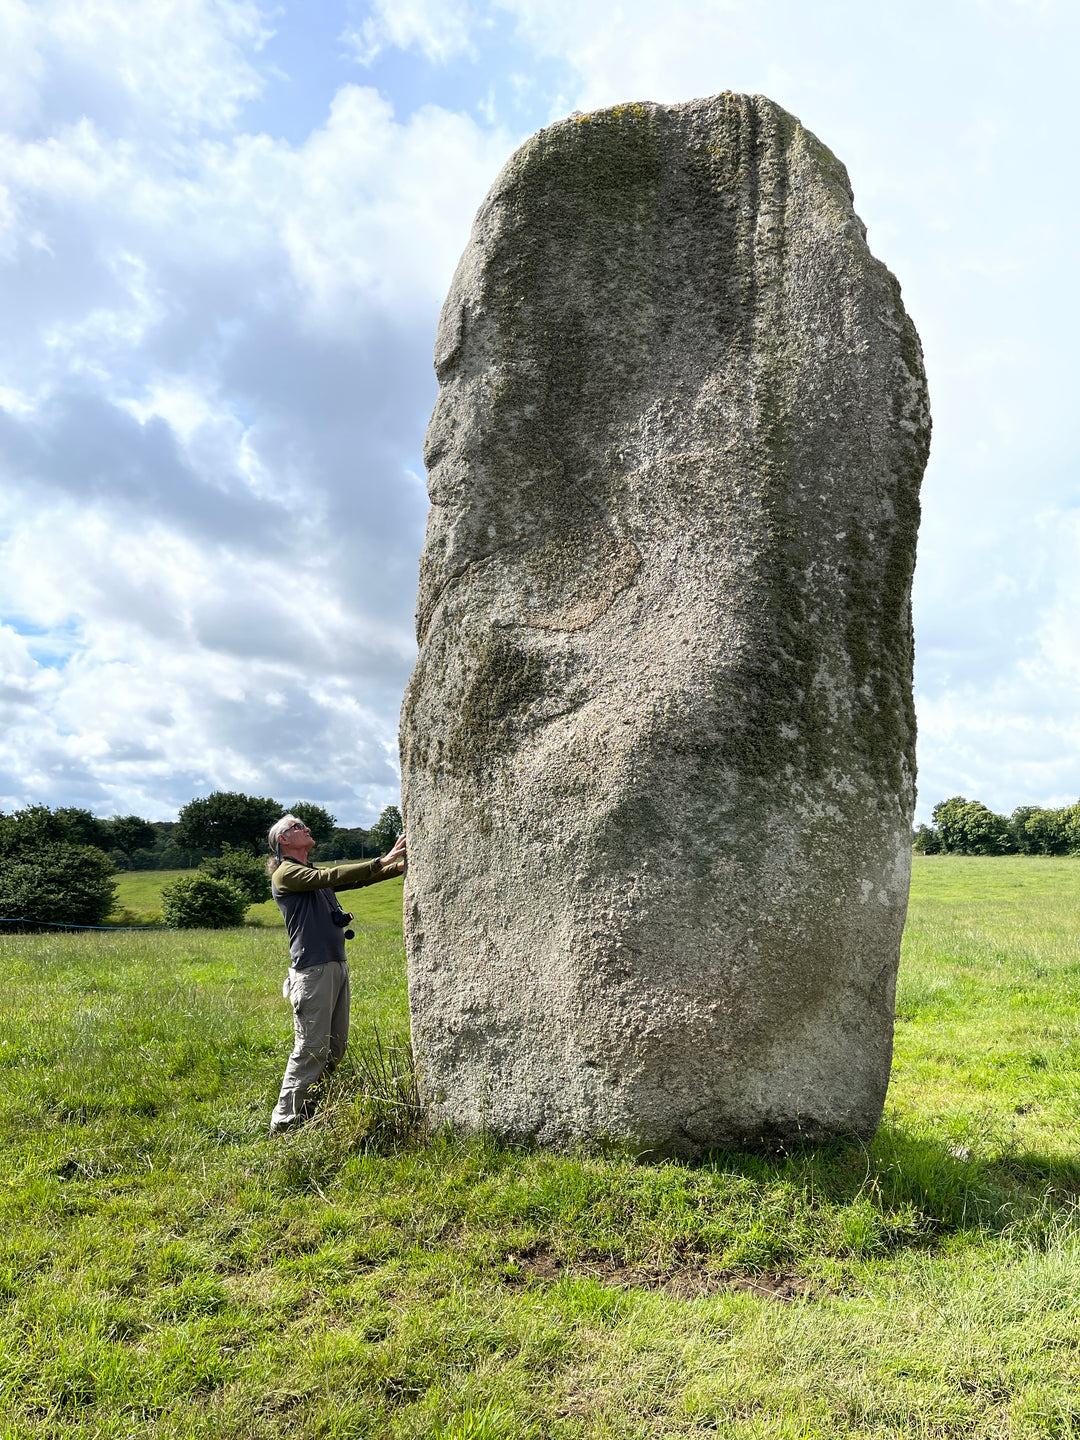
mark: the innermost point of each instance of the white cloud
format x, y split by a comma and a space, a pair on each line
1059, 629
173, 64
380, 209
439, 29
367, 211
193, 668
214, 381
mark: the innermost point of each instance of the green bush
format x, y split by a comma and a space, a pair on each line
58, 882
968, 827
246, 872
1045, 832
202, 902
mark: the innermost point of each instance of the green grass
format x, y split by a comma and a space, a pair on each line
166, 1270
138, 893
141, 889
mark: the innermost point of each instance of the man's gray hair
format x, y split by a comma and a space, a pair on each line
273, 837
280, 825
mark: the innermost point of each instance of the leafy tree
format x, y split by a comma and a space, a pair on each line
56, 881
82, 828
243, 870
1023, 841
386, 830
202, 902
37, 825
967, 827
927, 841
226, 818
165, 852
319, 821
1040, 832
347, 845
128, 833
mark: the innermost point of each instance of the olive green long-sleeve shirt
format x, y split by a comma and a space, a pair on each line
305, 896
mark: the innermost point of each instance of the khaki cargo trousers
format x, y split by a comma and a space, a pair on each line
320, 1001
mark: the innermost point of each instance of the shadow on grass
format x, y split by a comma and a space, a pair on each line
982, 1183
899, 1168
1055, 1174
911, 1187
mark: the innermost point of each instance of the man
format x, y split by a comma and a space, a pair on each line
318, 979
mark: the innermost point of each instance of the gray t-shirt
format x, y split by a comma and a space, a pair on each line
305, 896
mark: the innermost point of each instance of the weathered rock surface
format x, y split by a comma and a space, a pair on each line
658, 749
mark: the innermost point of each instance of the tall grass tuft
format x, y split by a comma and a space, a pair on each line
369, 1106
379, 1077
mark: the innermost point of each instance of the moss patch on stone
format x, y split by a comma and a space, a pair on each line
505, 681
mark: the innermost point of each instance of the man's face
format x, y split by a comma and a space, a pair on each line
296, 837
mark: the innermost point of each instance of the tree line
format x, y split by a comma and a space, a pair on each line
204, 825
967, 827
58, 864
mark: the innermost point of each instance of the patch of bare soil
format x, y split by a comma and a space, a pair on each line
684, 1281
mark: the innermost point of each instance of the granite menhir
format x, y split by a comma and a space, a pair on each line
658, 749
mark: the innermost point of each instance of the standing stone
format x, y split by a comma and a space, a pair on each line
658, 749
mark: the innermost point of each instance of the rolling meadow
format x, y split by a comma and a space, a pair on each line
166, 1270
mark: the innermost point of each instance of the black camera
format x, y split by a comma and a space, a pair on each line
341, 919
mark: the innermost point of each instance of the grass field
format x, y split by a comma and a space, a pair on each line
165, 1270
139, 891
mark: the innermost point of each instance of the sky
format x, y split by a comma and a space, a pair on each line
225, 234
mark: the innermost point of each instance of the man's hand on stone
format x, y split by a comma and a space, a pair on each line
393, 862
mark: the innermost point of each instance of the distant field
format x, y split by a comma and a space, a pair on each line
988, 1004
167, 1271
140, 890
